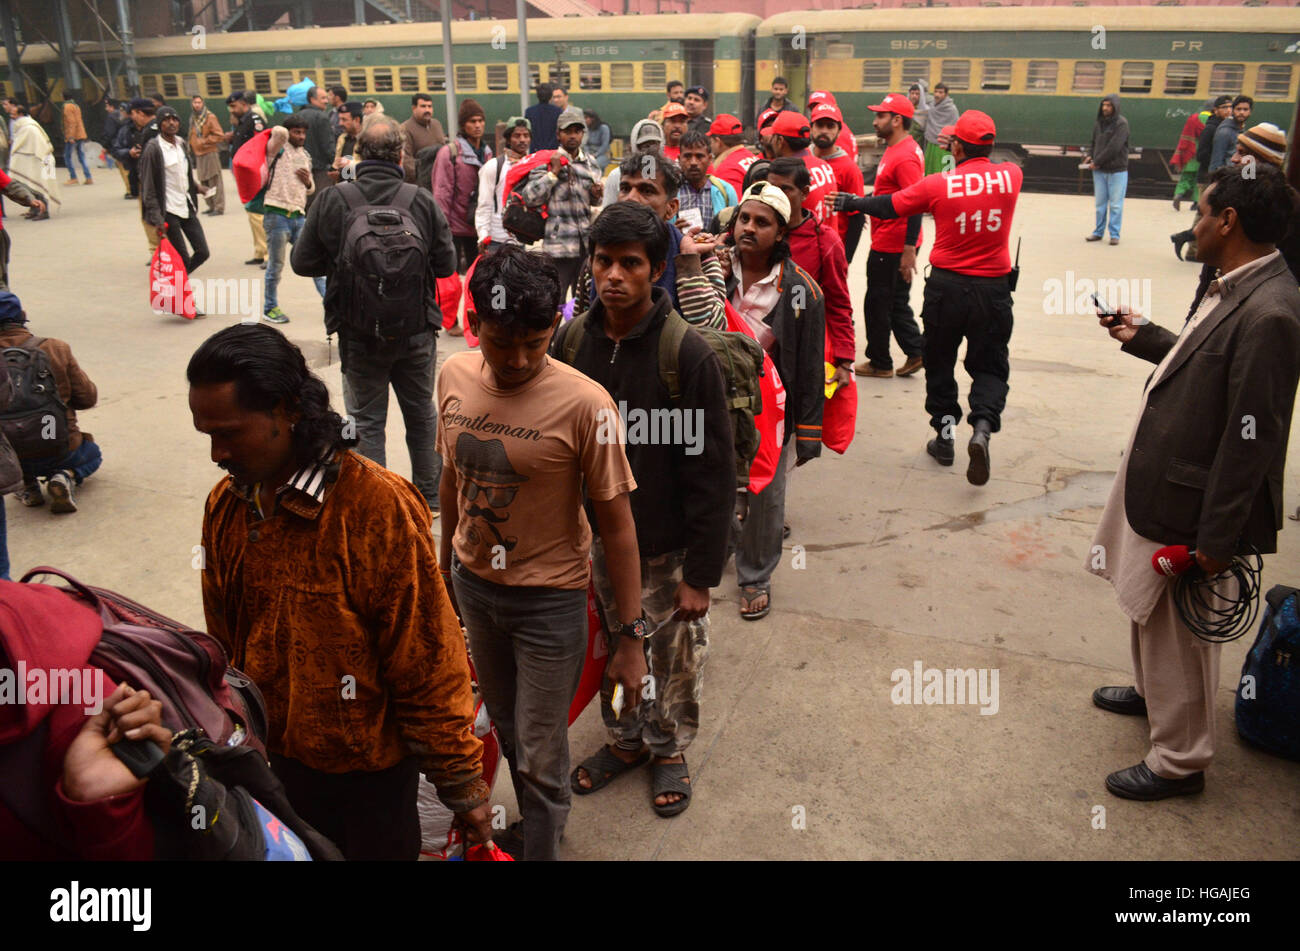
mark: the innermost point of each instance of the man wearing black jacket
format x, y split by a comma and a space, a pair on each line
1204, 152
246, 123
320, 140
370, 364
683, 458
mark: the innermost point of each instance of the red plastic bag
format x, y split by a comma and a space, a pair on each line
593, 665
248, 165
839, 413
169, 284
771, 421
490, 852
470, 340
449, 290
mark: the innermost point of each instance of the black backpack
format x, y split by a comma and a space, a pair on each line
36, 421
382, 267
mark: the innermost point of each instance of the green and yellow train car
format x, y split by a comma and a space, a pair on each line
1041, 71
617, 66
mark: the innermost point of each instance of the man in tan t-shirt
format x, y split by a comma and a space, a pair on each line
522, 437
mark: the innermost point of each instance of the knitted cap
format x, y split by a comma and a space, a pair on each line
1265, 141
469, 109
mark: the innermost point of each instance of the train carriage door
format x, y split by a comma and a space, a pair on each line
745, 108
698, 63
795, 66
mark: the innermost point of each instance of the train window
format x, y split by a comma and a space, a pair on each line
621, 76
654, 76
589, 76
875, 74
1226, 79
914, 69
238, 82
1042, 75
1136, 77
357, 81
558, 74
1089, 76
408, 79
170, 87
383, 79
1273, 81
148, 85
262, 83
213, 83
534, 76
284, 79
190, 83
996, 74
956, 73
467, 78
498, 78
435, 77
1181, 79
308, 74
333, 77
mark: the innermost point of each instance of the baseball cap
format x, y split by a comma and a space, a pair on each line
166, 112
353, 108
11, 309
233, 98
515, 121
1222, 101
975, 127
766, 115
792, 124
948, 130
771, 196
821, 95
1266, 141
647, 130
895, 103
726, 125
570, 117
674, 109
698, 90
825, 110
142, 104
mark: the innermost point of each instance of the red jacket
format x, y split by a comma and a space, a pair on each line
1191, 134
817, 249
45, 629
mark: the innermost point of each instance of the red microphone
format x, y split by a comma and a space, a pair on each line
1173, 560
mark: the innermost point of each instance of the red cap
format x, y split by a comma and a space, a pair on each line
975, 127
897, 104
948, 130
765, 115
673, 109
792, 124
826, 110
821, 95
726, 125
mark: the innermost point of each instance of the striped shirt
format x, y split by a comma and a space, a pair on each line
312, 481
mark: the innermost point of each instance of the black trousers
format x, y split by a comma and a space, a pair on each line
369, 816
978, 310
886, 309
180, 229
570, 269
466, 251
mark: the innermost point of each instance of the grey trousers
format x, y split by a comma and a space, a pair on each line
759, 550
409, 367
668, 721
528, 646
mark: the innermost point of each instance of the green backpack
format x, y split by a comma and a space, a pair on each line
739, 357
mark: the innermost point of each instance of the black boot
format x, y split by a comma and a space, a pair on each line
977, 472
941, 448
1179, 240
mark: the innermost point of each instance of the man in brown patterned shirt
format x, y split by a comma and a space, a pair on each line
321, 580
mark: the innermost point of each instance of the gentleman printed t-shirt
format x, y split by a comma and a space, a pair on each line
972, 207
522, 459
902, 166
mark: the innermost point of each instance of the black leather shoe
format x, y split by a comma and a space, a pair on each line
941, 449
977, 471
1138, 782
1178, 241
256, 261
1120, 700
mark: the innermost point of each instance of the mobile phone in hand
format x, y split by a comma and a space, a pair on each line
1104, 310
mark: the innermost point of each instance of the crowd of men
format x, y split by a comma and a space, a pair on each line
322, 566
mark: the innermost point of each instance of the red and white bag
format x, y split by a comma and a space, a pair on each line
169, 283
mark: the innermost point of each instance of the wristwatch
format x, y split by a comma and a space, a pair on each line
638, 630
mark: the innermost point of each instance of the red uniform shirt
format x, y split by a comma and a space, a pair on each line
902, 166
822, 184
672, 152
730, 168
848, 178
847, 142
972, 207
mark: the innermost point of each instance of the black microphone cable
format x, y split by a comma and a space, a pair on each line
1219, 618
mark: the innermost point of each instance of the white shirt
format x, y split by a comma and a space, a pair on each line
487, 213
755, 302
176, 177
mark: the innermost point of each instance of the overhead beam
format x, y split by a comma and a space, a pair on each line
67, 49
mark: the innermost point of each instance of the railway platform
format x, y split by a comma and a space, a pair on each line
814, 742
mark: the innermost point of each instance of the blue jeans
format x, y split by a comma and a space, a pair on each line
81, 462
1108, 188
67, 159
528, 646
281, 230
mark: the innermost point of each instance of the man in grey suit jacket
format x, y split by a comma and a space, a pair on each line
1203, 469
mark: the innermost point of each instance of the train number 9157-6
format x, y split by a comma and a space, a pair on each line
593, 50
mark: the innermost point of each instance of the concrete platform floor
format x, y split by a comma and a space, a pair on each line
893, 561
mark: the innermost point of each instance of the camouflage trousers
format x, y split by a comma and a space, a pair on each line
667, 720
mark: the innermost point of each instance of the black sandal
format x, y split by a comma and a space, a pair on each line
670, 778
601, 768
749, 594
